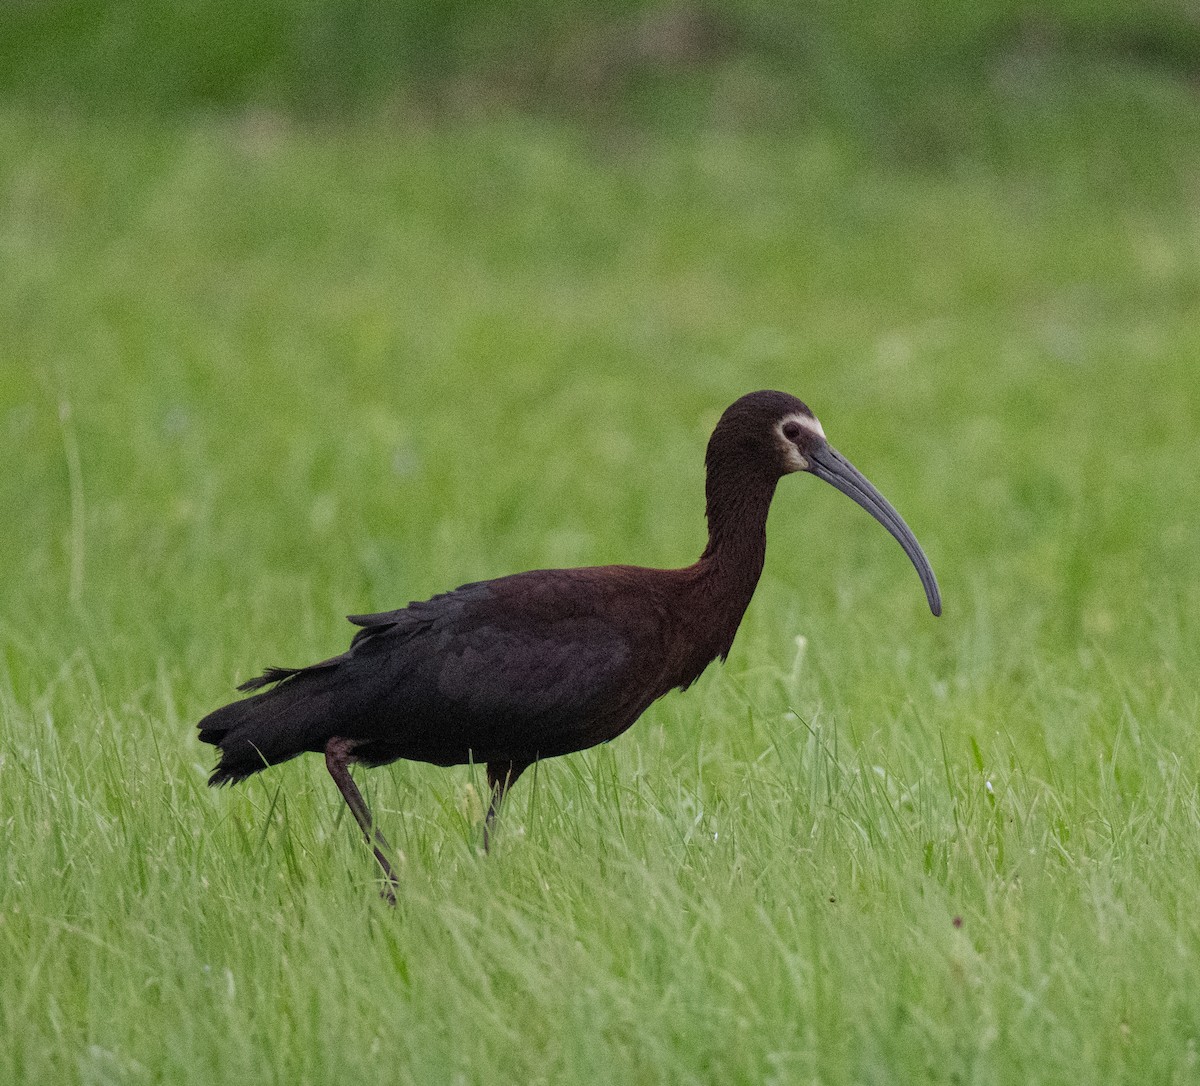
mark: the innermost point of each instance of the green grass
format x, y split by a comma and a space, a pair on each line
254, 376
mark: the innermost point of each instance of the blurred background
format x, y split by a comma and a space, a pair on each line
916, 80
347, 258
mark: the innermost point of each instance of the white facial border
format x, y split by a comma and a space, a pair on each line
794, 459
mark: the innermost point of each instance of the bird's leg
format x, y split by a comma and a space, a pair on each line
337, 758
501, 777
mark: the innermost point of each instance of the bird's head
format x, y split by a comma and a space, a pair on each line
779, 435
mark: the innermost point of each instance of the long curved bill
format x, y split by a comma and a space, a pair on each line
825, 462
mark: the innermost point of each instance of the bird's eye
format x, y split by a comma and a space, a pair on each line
791, 430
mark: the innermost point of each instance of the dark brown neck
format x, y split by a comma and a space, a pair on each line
732, 562
737, 524
720, 584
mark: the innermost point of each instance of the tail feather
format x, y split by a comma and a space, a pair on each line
278, 674
239, 731
271, 675
298, 715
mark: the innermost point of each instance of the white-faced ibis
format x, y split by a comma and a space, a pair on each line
544, 663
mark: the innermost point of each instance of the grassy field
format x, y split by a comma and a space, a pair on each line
255, 375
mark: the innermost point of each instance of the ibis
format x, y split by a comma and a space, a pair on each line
539, 664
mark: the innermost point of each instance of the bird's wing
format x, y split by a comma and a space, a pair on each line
556, 669
404, 622
520, 660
